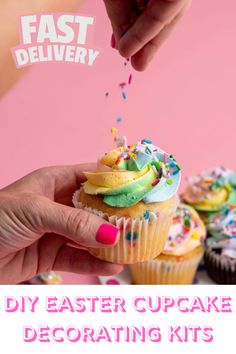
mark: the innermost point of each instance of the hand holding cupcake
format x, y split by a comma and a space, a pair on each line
134, 188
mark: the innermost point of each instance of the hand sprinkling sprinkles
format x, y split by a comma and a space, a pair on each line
129, 189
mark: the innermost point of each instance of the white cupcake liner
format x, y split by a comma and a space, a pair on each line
139, 240
158, 271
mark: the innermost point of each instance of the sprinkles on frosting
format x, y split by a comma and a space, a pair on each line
222, 229
183, 228
166, 168
202, 187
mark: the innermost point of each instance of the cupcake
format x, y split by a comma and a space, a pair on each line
210, 191
134, 188
220, 255
178, 263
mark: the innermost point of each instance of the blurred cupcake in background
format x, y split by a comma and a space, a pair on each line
178, 263
220, 255
210, 191
135, 189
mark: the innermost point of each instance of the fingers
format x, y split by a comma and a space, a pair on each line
51, 180
120, 13
141, 59
54, 253
77, 225
156, 16
78, 261
71, 175
66, 180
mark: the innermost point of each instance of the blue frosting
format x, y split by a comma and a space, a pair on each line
163, 191
150, 154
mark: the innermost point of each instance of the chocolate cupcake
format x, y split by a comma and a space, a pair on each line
220, 254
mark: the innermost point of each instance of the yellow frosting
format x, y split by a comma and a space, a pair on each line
111, 157
129, 174
211, 190
213, 200
114, 178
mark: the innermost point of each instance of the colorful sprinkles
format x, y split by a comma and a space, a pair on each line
124, 96
122, 85
185, 226
155, 182
130, 79
201, 187
163, 169
146, 141
131, 236
146, 215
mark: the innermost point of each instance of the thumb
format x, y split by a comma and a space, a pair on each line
77, 225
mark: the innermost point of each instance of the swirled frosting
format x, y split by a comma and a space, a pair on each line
211, 190
222, 229
129, 174
186, 232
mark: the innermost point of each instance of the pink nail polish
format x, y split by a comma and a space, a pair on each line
107, 234
113, 41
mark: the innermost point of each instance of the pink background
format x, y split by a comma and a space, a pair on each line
184, 102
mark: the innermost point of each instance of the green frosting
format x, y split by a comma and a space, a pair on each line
137, 185
141, 161
232, 197
158, 184
127, 199
131, 193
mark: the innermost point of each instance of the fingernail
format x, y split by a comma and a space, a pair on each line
113, 41
107, 234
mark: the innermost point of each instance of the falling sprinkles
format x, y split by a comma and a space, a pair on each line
122, 85
130, 79
124, 96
